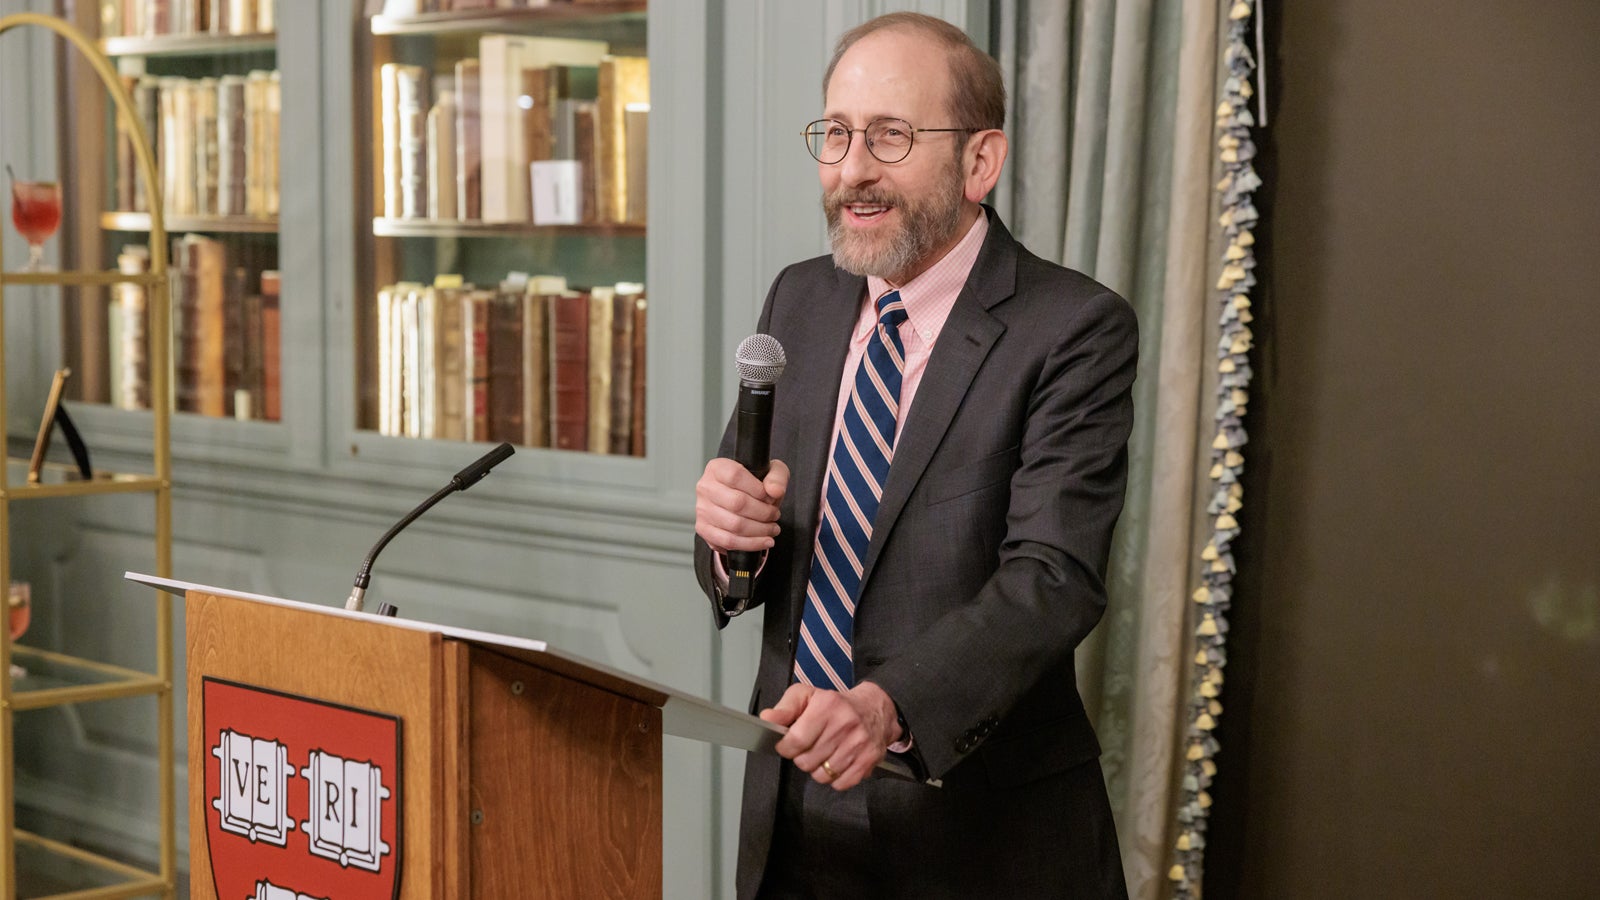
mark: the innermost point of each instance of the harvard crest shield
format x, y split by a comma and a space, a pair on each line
302, 797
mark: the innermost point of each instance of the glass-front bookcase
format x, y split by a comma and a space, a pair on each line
203, 78
501, 194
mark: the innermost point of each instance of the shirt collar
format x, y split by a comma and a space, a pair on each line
929, 297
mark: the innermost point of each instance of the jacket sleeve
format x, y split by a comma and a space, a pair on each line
957, 680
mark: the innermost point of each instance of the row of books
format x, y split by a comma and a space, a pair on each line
153, 18
226, 331
530, 362
461, 145
215, 142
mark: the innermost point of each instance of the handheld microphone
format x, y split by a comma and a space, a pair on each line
460, 481
760, 361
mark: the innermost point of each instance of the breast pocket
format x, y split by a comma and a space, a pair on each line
968, 478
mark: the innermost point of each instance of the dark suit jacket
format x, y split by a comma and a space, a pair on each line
986, 569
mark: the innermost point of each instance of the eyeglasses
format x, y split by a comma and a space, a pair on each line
888, 140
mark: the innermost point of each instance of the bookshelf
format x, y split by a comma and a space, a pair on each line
606, 19
31, 863
400, 228
588, 551
207, 94
140, 222
502, 292
201, 45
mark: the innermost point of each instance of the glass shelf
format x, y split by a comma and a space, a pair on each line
62, 480
189, 44
140, 222
540, 20
49, 869
56, 679
382, 227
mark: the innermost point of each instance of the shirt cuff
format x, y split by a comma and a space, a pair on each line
906, 740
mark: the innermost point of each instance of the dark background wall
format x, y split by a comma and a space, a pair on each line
1413, 695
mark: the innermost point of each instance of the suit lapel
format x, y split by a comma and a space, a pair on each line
964, 342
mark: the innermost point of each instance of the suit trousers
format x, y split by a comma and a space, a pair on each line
823, 849
821, 844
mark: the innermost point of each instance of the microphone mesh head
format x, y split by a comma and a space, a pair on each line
760, 359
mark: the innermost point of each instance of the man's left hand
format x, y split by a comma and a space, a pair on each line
849, 731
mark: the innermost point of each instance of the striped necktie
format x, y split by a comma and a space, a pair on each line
856, 474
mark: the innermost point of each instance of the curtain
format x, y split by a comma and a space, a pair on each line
1111, 173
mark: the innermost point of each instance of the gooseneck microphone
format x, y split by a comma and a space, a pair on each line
460, 481
760, 361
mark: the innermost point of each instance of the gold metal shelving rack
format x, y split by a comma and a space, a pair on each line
54, 678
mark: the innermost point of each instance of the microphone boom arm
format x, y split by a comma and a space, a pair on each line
462, 480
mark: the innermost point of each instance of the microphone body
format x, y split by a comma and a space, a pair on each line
462, 480
752, 445
761, 360
752, 448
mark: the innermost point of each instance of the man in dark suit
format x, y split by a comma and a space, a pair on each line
955, 413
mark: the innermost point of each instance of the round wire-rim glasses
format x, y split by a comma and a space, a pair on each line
888, 140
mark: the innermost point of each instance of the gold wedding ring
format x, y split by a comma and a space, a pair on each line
829, 769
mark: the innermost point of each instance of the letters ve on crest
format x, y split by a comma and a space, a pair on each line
302, 796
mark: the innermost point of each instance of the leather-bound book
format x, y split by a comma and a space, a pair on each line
233, 343
132, 310
410, 353
441, 145
636, 154
388, 363
624, 80
505, 365
622, 338
233, 167
204, 100
469, 142
411, 117
583, 147
450, 358
600, 311
536, 358
389, 138
147, 108
475, 305
185, 326
271, 347
248, 401
569, 371
203, 270
536, 116
636, 433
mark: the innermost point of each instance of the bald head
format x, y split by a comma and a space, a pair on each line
976, 93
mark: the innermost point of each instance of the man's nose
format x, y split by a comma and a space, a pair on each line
859, 166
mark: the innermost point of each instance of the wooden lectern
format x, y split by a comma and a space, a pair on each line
515, 770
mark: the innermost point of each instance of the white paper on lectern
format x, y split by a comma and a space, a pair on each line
683, 715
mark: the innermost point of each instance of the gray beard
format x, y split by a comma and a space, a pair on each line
925, 226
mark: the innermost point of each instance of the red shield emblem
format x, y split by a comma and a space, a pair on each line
302, 797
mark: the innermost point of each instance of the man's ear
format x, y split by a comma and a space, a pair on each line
981, 162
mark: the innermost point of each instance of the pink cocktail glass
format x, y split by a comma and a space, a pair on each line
36, 211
